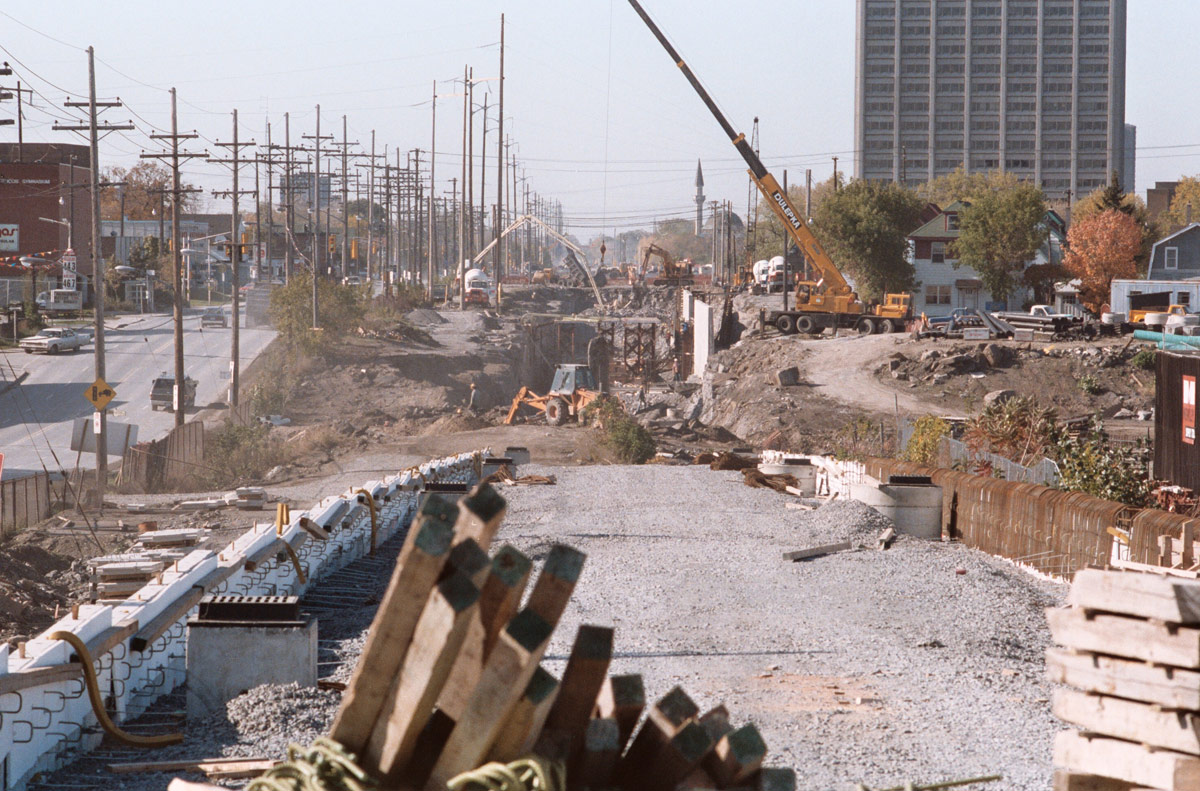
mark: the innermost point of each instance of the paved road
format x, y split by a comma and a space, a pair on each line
36, 416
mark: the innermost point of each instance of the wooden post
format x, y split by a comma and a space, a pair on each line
601, 749
506, 674
1188, 558
586, 672
556, 582
502, 591
480, 514
436, 640
1165, 551
665, 720
468, 559
622, 698
738, 755
676, 760
524, 724
421, 560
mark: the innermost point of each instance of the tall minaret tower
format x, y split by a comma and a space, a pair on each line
699, 199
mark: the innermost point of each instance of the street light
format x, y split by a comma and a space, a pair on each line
70, 243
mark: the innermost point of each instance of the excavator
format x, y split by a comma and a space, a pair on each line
829, 301
674, 273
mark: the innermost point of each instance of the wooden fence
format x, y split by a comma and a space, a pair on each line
1055, 531
24, 502
149, 466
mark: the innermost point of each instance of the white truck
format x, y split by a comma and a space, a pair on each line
53, 340
60, 300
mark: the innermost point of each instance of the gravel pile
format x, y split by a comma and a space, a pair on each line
270, 717
424, 317
841, 520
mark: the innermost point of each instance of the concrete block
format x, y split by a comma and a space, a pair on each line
787, 377
226, 659
44, 652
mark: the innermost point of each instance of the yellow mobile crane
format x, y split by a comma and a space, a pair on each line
828, 302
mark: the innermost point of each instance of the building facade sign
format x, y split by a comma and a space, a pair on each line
10, 238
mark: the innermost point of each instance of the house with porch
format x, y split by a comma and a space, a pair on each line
942, 285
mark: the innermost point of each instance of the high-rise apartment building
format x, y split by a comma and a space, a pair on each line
1033, 87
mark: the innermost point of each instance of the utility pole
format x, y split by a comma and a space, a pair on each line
432, 210
483, 180
462, 250
501, 181
316, 224
176, 244
835, 180
371, 207
470, 186
235, 247
345, 146
93, 129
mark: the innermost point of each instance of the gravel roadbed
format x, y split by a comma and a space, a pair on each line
870, 666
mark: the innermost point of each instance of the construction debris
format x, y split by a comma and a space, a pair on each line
505, 475
1133, 652
816, 552
756, 479
887, 537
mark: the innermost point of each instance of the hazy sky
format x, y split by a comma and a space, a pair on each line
599, 116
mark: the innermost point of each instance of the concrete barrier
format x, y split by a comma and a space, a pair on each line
138, 646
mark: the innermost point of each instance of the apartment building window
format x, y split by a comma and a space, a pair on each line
914, 106
984, 49
879, 126
1059, 10
915, 10
950, 125
946, 11
1021, 106
984, 164
880, 107
1021, 29
881, 49
914, 86
1092, 164
1093, 49
914, 49
1094, 30
1056, 126
879, 88
950, 68
937, 295
984, 30
948, 164
1171, 258
1056, 86
1056, 145
881, 68
1018, 145
1059, 106
1057, 68
985, 11
878, 163
985, 106
1058, 29
1093, 11
955, 144
1018, 164
984, 87
1022, 49
885, 11
879, 145
985, 145
1022, 87
1100, 126
915, 67
915, 30
915, 143
1058, 49
1093, 106
950, 30
985, 125
881, 31
1093, 145
1016, 67
914, 126
1093, 87
1055, 164
949, 106
1021, 125
944, 50
955, 88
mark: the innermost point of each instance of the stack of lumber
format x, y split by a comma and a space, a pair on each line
1131, 657
451, 676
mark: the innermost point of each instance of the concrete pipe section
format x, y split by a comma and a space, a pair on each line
800, 468
914, 507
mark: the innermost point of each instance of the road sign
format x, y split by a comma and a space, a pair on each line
99, 393
121, 436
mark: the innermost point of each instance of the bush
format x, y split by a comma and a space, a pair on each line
339, 310
1089, 384
627, 439
922, 447
268, 398
1145, 359
1090, 464
234, 455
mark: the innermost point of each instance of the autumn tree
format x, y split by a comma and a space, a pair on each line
1100, 248
1114, 196
143, 183
1186, 202
864, 227
1000, 232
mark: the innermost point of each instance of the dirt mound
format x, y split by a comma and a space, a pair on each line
424, 317
452, 424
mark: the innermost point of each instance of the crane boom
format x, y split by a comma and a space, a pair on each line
832, 280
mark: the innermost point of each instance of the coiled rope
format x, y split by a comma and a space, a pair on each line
526, 774
325, 766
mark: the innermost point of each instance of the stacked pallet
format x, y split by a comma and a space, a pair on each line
451, 676
1131, 655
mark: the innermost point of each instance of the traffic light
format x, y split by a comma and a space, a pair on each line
354, 249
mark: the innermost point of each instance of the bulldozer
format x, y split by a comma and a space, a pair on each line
572, 389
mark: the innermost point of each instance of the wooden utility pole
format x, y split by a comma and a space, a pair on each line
345, 146
235, 162
462, 218
314, 229
93, 128
371, 208
177, 192
498, 264
432, 210
483, 179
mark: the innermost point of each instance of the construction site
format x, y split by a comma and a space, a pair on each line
481, 503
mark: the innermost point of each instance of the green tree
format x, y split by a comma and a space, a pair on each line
865, 228
361, 209
1000, 232
1114, 197
964, 186
340, 310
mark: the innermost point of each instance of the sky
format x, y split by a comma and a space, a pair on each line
599, 117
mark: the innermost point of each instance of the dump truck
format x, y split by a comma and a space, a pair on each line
829, 301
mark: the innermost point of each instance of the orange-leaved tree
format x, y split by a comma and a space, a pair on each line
1100, 248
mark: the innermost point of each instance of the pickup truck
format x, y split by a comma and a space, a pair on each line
53, 340
1138, 315
162, 393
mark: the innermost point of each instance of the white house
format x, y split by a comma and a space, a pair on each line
942, 286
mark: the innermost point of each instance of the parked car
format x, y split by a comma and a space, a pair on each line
352, 280
213, 317
53, 340
162, 393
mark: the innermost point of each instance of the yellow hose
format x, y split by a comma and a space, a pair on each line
374, 516
295, 561
93, 688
